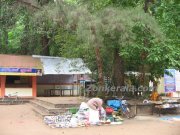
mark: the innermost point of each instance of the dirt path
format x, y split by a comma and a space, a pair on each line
21, 120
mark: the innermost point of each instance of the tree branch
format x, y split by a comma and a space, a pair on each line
27, 4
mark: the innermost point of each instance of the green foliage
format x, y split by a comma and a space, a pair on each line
167, 14
74, 28
7, 20
15, 35
64, 40
96, 5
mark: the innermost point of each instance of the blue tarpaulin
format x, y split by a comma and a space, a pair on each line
115, 104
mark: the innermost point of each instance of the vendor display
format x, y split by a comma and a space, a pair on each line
90, 113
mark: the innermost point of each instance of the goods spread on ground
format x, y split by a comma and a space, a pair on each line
85, 116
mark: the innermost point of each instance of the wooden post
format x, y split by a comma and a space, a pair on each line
73, 86
34, 86
2, 85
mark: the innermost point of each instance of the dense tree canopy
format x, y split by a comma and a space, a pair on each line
112, 36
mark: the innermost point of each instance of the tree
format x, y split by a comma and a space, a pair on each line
7, 19
112, 29
166, 13
111, 36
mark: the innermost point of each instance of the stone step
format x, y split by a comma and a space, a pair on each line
10, 100
55, 105
46, 108
41, 113
45, 103
11, 103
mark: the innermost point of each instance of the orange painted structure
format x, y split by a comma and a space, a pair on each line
18, 74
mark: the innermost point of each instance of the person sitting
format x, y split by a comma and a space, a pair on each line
95, 103
154, 95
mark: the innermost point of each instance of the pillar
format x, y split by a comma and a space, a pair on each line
34, 86
2, 85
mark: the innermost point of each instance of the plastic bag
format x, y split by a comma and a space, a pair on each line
93, 116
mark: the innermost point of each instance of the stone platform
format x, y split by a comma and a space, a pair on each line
47, 106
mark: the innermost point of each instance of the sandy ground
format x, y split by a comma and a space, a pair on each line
21, 120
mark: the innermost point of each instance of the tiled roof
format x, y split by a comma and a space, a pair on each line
19, 61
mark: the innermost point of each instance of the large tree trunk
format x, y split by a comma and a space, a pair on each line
142, 75
99, 65
45, 46
118, 69
98, 56
144, 54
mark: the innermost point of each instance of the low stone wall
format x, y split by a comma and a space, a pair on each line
149, 109
142, 109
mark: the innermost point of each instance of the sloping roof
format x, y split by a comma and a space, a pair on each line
60, 65
19, 61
